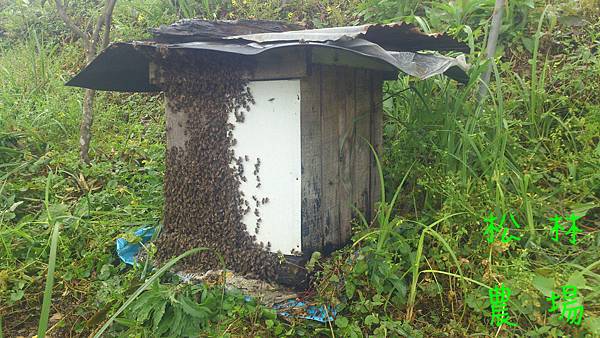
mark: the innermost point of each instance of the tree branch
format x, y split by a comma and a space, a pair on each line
491, 45
96, 31
108, 22
63, 14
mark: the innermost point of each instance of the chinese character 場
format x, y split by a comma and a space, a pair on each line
572, 311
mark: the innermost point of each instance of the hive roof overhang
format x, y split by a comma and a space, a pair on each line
125, 66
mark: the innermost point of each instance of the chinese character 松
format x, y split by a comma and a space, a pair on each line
492, 230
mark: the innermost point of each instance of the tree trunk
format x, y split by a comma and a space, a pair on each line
90, 40
491, 46
85, 130
87, 118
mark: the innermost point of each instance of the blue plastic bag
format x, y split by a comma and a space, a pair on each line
297, 309
127, 251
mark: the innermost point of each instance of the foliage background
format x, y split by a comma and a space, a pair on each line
532, 147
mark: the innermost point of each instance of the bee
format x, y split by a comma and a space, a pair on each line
203, 202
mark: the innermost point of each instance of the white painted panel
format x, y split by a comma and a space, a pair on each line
271, 132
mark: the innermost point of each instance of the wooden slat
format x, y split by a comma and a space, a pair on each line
281, 64
154, 74
343, 58
310, 117
176, 124
362, 154
330, 155
346, 134
376, 135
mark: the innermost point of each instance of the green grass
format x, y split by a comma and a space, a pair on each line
47, 300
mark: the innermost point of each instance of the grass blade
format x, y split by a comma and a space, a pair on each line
43, 324
412, 296
457, 276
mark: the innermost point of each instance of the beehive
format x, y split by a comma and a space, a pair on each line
268, 135
309, 130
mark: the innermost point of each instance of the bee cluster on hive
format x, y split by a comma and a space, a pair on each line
204, 206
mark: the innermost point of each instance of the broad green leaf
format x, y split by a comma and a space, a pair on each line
360, 266
126, 322
158, 314
577, 280
350, 288
166, 323
176, 323
527, 43
371, 319
269, 314
191, 308
544, 284
17, 295
400, 286
581, 210
592, 324
571, 20
341, 322
475, 301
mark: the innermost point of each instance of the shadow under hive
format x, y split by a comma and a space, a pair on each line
203, 203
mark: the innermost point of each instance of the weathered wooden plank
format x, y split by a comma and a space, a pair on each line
362, 154
343, 58
330, 157
310, 120
376, 135
153, 73
346, 148
337, 57
280, 64
176, 121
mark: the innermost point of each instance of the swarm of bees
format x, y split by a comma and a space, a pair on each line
204, 206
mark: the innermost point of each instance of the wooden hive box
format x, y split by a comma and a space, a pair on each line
310, 126
317, 107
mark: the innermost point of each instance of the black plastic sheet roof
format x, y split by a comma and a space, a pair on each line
189, 30
125, 66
